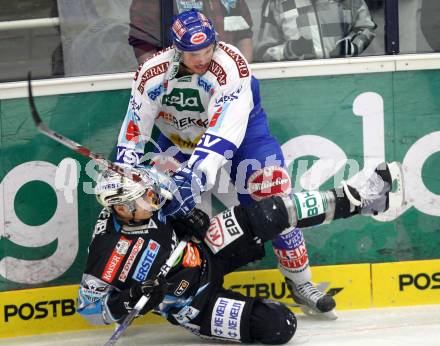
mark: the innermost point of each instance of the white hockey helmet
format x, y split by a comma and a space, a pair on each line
113, 188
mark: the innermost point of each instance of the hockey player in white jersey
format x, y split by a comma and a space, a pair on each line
201, 95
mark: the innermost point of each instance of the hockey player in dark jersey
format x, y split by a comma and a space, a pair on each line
130, 244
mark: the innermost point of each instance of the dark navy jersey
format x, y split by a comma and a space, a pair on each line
121, 255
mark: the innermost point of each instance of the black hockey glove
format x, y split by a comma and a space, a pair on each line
196, 223
297, 49
130, 296
344, 48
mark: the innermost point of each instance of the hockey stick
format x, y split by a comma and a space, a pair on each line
144, 299
130, 173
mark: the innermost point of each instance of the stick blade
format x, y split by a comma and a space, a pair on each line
35, 115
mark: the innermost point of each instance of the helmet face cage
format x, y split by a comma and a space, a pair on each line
112, 188
151, 193
192, 30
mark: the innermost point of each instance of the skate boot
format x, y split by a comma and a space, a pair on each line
373, 195
312, 301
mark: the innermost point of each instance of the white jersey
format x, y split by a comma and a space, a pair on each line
202, 115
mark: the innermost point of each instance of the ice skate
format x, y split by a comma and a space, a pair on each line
311, 300
374, 196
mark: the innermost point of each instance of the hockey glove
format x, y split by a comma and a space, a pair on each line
297, 49
185, 186
130, 296
196, 224
344, 48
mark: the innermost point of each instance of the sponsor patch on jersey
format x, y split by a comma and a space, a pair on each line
184, 99
191, 258
134, 106
226, 318
130, 156
122, 246
182, 143
101, 223
215, 117
146, 261
154, 92
181, 123
132, 132
269, 181
182, 288
229, 97
186, 314
224, 230
92, 289
291, 250
115, 260
205, 85
240, 62
152, 224
185, 79
216, 144
130, 259
100, 227
218, 72
152, 72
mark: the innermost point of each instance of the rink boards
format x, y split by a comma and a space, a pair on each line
354, 286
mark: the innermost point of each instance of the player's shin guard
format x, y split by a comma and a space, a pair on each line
304, 210
291, 251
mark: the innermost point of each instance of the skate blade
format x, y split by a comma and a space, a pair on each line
396, 197
329, 315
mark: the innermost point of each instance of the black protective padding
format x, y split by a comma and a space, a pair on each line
272, 322
342, 204
267, 218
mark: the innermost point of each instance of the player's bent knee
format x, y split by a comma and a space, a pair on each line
268, 217
272, 322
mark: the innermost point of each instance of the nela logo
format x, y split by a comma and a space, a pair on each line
184, 99
61, 229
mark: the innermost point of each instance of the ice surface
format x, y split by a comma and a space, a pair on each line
406, 326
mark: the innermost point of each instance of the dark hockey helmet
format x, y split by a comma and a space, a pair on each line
192, 30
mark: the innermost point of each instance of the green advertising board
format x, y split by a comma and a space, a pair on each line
329, 128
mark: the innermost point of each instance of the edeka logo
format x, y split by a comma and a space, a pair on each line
370, 107
39, 310
61, 228
184, 99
